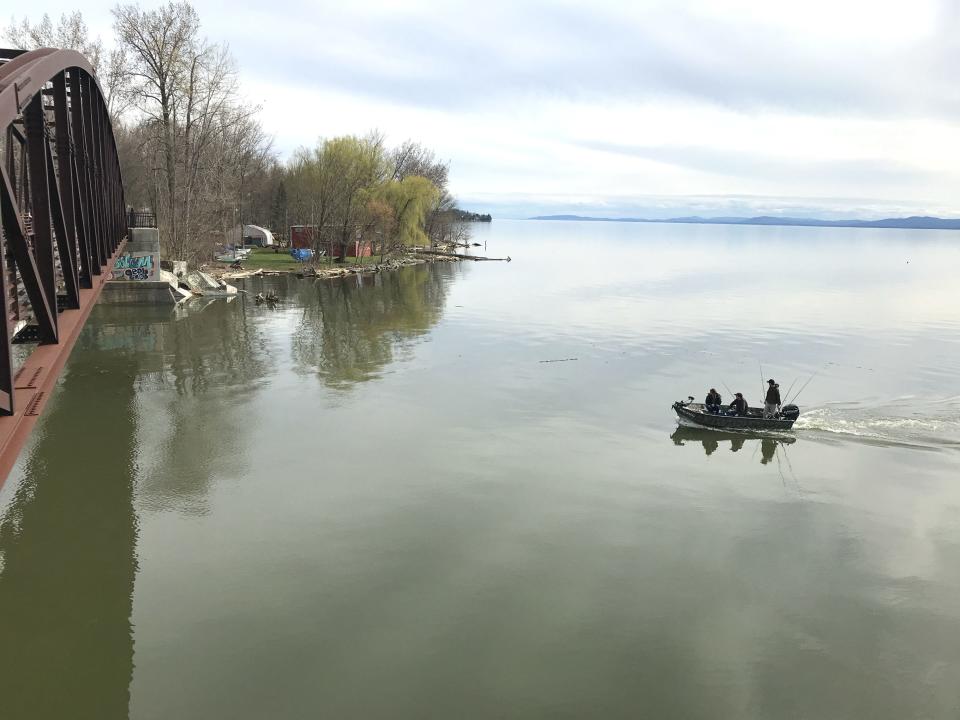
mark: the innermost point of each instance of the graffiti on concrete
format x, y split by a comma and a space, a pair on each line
135, 266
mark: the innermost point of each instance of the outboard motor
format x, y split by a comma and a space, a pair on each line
790, 412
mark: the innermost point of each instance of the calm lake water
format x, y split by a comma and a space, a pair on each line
379, 500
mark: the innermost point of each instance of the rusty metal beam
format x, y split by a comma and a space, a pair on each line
15, 235
61, 191
6, 359
88, 254
62, 223
94, 198
66, 245
39, 208
35, 380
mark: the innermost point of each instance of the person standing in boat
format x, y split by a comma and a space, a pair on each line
713, 402
772, 405
739, 405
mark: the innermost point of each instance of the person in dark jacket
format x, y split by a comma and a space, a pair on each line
713, 402
772, 404
739, 405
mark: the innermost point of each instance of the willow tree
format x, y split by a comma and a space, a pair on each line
411, 200
413, 159
381, 222
332, 185
358, 163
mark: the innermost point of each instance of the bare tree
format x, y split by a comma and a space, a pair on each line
200, 143
204, 109
160, 45
413, 159
71, 32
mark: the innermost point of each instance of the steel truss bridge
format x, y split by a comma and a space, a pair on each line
63, 224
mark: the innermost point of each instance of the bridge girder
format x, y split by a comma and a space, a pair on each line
63, 224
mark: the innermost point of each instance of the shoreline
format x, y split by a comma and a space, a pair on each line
222, 271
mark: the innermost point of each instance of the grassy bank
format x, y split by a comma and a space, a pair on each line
267, 259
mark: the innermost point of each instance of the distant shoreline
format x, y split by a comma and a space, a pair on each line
907, 223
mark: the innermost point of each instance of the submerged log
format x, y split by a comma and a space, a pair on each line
461, 256
271, 298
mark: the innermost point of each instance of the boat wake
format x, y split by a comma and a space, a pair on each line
933, 425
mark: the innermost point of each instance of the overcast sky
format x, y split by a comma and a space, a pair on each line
648, 108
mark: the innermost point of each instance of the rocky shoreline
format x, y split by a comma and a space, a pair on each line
224, 272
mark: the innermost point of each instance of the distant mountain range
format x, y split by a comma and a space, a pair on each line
913, 223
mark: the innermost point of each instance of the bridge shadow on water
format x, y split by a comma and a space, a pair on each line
67, 552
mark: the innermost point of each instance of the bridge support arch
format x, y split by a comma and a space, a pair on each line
63, 222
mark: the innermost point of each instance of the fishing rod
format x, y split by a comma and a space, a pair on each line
790, 389
727, 387
815, 373
762, 393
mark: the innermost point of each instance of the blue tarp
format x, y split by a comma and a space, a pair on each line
301, 254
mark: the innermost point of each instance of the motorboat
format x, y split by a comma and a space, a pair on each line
694, 414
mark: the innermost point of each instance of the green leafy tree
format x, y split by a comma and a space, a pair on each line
332, 184
411, 199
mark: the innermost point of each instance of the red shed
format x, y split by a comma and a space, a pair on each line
302, 236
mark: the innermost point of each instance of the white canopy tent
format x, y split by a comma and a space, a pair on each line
250, 235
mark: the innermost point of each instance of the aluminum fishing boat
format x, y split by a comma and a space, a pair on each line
694, 414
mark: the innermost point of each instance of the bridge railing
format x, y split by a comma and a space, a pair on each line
141, 219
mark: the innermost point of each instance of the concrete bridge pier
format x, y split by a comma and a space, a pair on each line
136, 273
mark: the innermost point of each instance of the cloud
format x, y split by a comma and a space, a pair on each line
461, 56
648, 99
722, 161
609, 104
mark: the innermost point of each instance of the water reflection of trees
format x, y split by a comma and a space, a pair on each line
208, 344
216, 346
351, 329
215, 357
198, 369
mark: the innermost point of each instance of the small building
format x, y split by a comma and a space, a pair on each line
303, 237
359, 248
251, 235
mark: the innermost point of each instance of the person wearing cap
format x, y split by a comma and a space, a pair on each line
772, 404
713, 402
739, 405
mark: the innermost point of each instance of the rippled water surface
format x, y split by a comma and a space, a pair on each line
460, 491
